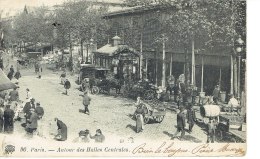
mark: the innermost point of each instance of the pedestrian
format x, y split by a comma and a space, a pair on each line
27, 107
67, 86
8, 120
32, 122
85, 85
1, 117
6, 99
39, 110
12, 69
91, 84
215, 94
83, 137
1, 62
98, 137
36, 67
39, 70
211, 130
28, 94
191, 117
86, 102
10, 73
62, 130
14, 95
139, 114
180, 123
63, 77
176, 91
17, 76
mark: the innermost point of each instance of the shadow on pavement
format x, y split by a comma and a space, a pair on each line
131, 127
191, 138
168, 134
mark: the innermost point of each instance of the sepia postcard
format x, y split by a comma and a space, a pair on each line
123, 78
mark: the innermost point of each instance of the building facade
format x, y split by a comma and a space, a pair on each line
141, 28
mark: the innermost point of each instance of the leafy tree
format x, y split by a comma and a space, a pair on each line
212, 25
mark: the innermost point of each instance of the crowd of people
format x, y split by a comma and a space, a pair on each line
30, 115
184, 99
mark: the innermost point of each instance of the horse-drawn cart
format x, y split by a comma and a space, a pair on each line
142, 89
154, 110
229, 127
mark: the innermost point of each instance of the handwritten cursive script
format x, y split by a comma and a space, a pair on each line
164, 148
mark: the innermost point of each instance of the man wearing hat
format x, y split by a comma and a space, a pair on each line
8, 119
39, 110
180, 123
29, 104
32, 122
191, 117
216, 93
86, 102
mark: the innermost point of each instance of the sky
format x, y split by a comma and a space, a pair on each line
12, 6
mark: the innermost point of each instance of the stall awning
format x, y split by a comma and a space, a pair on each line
5, 83
110, 50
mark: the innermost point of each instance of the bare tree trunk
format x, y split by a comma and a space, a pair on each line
81, 48
235, 76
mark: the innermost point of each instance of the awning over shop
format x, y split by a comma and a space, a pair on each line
5, 83
113, 50
217, 59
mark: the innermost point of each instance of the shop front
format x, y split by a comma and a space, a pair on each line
122, 60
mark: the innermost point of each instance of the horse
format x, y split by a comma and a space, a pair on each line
106, 85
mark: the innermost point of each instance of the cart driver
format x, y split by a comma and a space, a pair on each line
139, 114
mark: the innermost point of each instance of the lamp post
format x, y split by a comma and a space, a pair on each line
239, 49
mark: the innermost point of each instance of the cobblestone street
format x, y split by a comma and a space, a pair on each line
110, 114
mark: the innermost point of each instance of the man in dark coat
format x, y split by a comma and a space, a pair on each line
14, 95
12, 69
32, 122
67, 86
86, 102
39, 110
62, 131
180, 123
17, 75
191, 117
8, 119
215, 94
11, 73
27, 107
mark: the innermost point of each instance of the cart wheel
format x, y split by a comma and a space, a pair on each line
146, 120
159, 119
95, 90
148, 95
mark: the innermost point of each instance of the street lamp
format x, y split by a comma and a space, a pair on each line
239, 49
